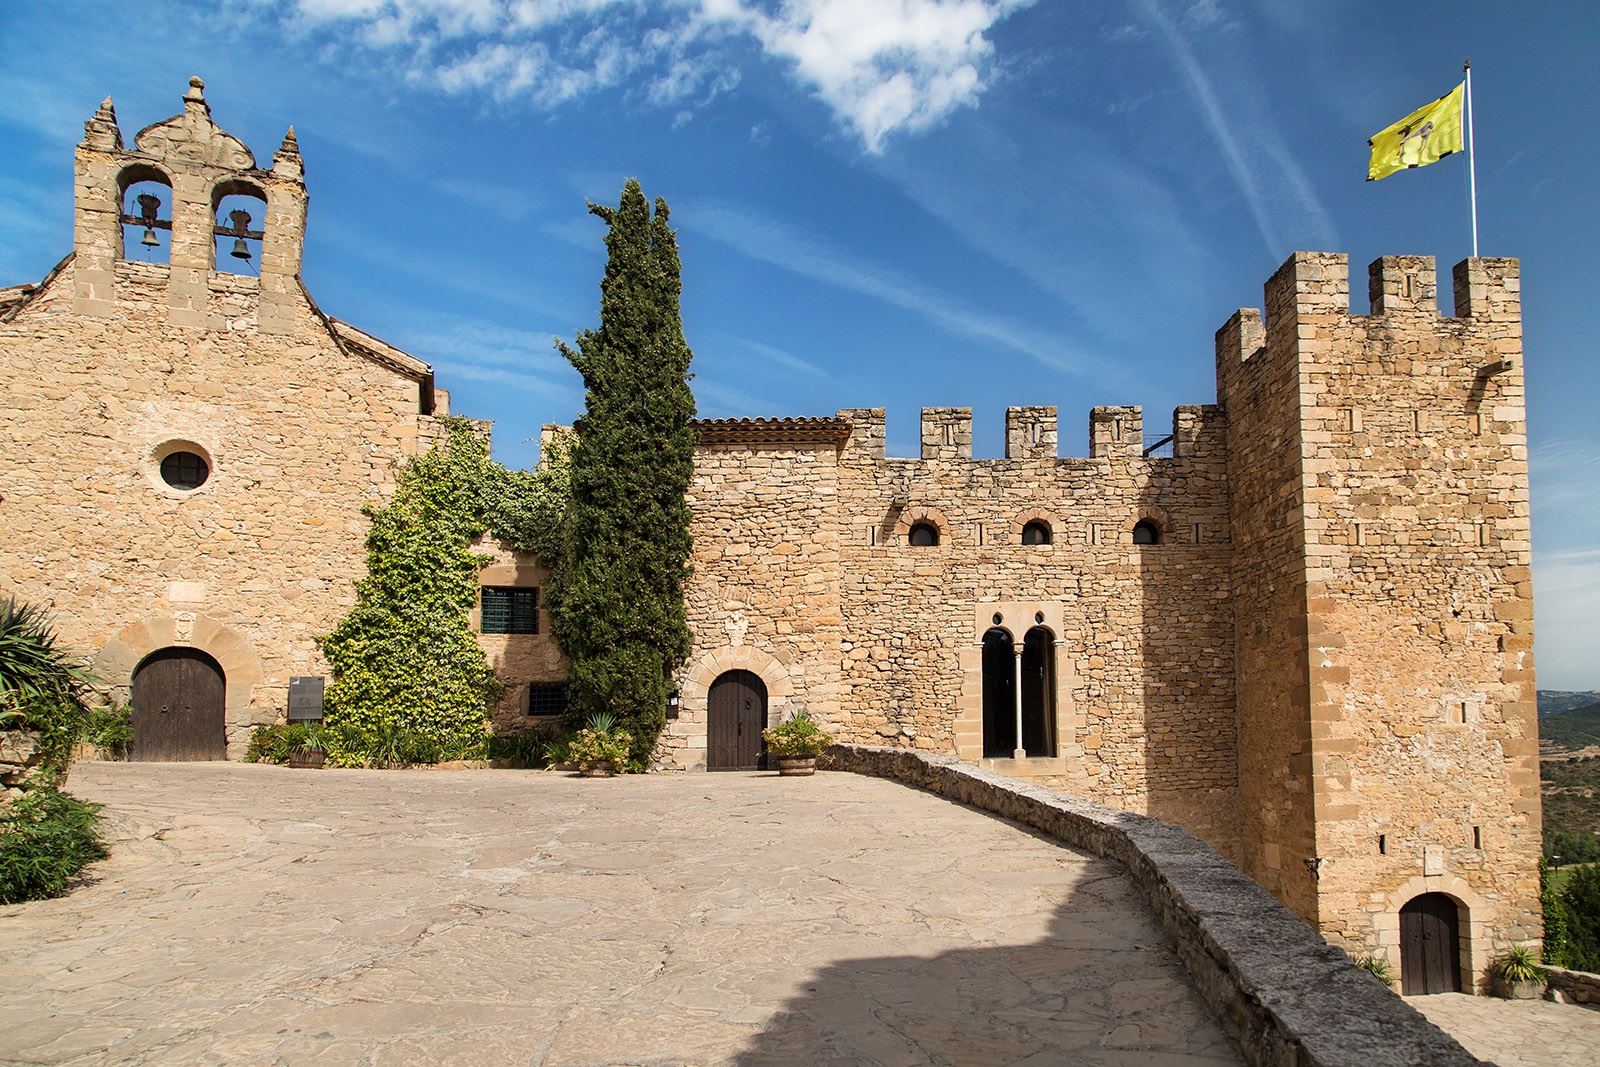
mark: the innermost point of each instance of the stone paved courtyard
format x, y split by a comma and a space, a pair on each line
257, 914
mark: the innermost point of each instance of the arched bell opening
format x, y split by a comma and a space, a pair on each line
145, 196
1039, 692
999, 695
1430, 944
239, 213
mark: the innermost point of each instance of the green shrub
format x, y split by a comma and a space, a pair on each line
274, 744
1378, 967
110, 729
1581, 901
46, 838
34, 667
1516, 964
526, 749
798, 735
1555, 950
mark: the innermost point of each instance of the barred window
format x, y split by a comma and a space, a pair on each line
508, 610
547, 700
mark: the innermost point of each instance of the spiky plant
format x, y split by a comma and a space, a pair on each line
34, 666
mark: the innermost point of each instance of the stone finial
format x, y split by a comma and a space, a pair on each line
101, 131
195, 99
286, 161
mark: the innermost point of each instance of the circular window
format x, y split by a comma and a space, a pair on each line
184, 470
924, 535
997, 618
1146, 533
1036, 533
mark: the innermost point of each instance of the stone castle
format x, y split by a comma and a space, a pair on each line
1301, 626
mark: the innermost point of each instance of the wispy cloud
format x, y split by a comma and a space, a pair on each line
786, 246
1280, 196
880, 66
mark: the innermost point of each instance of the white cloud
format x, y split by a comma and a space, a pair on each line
880, 66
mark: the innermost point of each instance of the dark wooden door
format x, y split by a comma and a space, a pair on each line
736, 713
1430, 945
178, 708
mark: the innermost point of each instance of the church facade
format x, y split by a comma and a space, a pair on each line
1298, 624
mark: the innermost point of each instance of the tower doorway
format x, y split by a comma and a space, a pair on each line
999, 695
736, 713
1430, 945
1039, 692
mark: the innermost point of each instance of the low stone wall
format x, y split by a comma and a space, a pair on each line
1284, 994
1574, 987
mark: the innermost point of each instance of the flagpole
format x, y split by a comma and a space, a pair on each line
1472, 165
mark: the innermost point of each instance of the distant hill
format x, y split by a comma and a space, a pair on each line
1569, 731
1557, 701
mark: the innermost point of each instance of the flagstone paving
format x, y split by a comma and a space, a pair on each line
263, 915
1516, 1033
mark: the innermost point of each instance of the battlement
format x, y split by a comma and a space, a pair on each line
1032, 433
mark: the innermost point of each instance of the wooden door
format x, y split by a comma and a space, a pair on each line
736, 713
178, 708
1430, 945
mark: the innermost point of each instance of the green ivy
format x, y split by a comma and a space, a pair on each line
1555, 918
409, 677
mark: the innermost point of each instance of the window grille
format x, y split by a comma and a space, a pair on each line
547, 700
508, 610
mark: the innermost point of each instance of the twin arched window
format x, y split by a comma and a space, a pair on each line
238, 210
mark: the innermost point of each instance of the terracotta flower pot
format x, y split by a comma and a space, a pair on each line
795, 766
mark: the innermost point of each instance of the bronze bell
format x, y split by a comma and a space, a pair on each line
241, 222
149, 239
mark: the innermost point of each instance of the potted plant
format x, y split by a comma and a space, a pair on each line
1516, 975
308, 750
599, 748
795, 744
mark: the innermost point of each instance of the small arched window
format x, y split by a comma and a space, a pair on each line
1036, 533
924, 535
1146, 532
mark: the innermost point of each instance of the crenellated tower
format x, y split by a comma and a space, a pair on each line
1377, 469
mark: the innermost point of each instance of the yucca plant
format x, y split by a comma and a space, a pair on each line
34, 666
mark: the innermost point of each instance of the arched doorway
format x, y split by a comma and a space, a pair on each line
178, 707
736, 713
999, 695
1430, 945
1039, 692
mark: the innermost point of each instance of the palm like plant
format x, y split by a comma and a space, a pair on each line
33, 664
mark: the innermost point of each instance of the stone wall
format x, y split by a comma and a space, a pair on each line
805, 574
1285, 995
519, 660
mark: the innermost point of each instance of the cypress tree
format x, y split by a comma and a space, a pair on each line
618, 607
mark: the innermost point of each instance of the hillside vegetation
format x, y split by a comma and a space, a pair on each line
1569, 731
1557, 701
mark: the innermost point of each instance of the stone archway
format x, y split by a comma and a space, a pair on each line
1476, 918
233, 652
690, 752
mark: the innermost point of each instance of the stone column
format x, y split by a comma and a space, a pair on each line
1016, 653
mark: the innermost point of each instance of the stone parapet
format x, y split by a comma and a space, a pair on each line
1284, 994
1573, 987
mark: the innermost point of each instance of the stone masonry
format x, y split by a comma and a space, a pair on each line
1300, 626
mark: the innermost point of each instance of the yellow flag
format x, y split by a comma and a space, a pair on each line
1425, 136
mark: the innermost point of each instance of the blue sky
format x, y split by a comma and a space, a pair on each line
890, 203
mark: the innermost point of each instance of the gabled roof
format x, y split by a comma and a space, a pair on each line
831, 430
